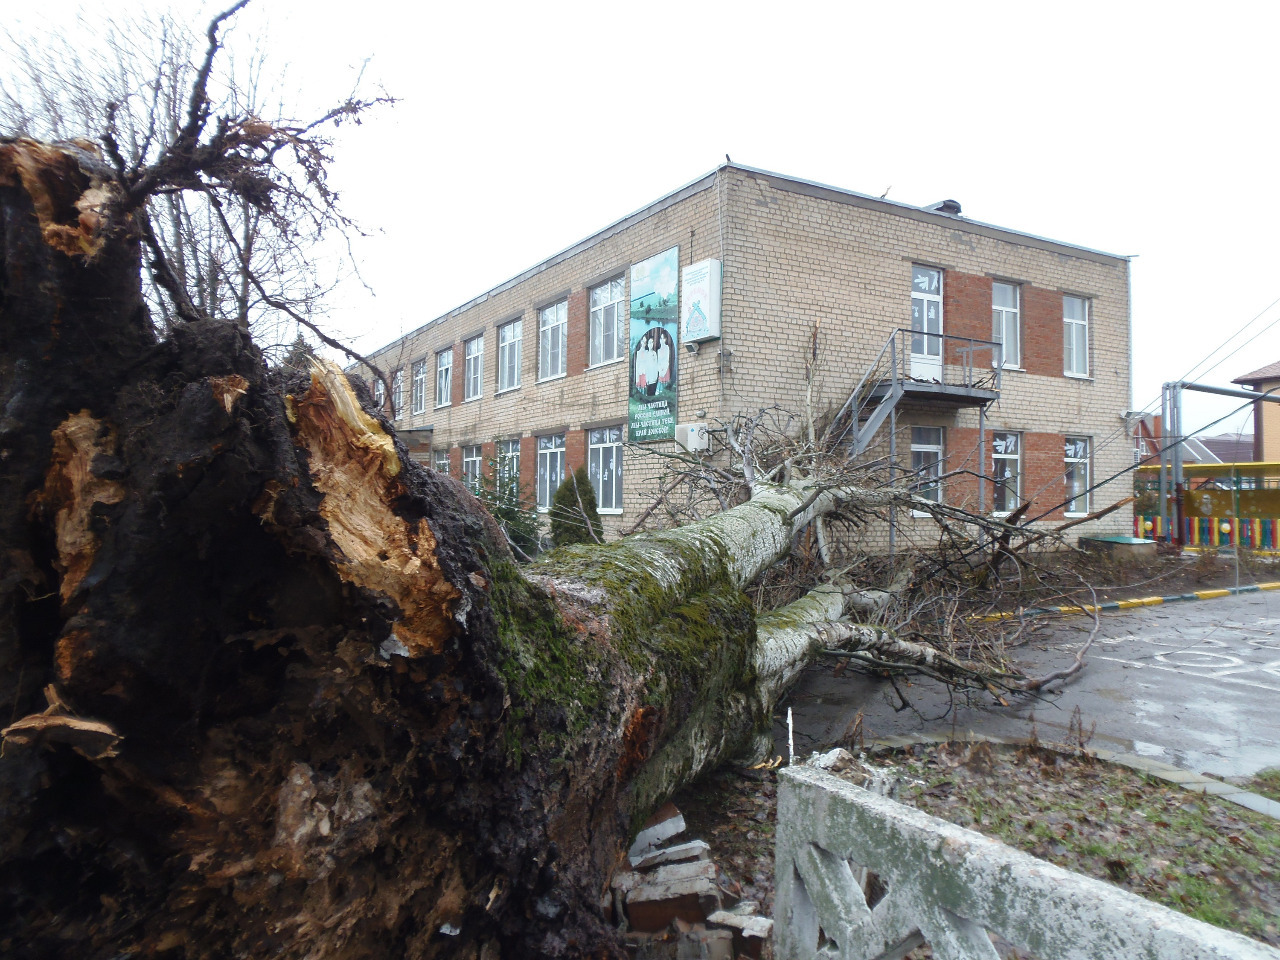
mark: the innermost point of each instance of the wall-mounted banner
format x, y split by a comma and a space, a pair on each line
700, 301
655, 319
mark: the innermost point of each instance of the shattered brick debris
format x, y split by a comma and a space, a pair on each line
675, 903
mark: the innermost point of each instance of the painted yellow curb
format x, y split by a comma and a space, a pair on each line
1112, 605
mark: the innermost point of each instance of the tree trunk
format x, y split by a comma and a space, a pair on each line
274, 688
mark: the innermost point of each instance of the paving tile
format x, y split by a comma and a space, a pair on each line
1255, 802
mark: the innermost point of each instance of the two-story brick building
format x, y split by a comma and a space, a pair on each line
1013, 363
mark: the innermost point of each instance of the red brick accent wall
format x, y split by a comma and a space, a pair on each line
577, 333
575, 450
529, 467
962, 454
1042, 473
456, 376
455, 462
966, 311
1042, 470
1041, 331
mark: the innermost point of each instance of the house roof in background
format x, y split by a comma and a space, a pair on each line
1270, 372
1231, 447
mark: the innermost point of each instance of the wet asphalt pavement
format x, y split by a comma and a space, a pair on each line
1195, 684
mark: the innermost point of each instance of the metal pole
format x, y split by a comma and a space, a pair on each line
1166, 533
893, 459
982, 461
1179, 506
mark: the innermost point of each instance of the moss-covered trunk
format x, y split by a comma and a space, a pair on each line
278, 690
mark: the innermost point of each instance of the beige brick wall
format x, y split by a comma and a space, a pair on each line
793, 259
584, 397
795, 256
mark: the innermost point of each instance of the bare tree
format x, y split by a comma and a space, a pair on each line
232, 191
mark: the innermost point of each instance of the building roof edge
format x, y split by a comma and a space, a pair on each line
697, 185
813, 187
899, 208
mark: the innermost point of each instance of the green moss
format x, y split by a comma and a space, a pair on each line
702, 670
553, 682
691, 644
636, 598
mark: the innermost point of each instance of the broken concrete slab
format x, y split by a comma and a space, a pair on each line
693, 850
749, 932
657, 832
667, 873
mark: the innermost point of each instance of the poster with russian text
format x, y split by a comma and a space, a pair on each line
655, 320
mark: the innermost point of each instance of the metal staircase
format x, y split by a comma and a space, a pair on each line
955, 382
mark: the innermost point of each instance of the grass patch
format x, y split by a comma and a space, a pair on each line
1200, 855
1267, 783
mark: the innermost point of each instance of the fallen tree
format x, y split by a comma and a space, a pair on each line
276, 689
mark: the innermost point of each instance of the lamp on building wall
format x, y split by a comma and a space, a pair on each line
691, 346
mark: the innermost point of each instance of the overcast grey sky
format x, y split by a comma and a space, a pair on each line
1136, 128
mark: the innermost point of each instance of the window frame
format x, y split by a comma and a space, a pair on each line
440, 460
444, 365
379, 394
1001, 317
998, 482
418, 388
611, 439
545, 490
1069, 463
473, 369
922, 338
397, 393
509, 365
596, 316
506, 467
1068, 342
472, 466
559, 330
922, 446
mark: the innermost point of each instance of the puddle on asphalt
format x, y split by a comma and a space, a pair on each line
1144, 749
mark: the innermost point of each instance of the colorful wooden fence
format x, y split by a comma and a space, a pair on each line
1215, 531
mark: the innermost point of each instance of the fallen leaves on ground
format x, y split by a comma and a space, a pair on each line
1203, 856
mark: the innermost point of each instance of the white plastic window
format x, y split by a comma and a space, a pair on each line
604, 465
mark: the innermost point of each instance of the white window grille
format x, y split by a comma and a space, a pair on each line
1006, 310
926, 315
608, 322
444, 377
553, 323
1075, 336
550, 468
418, 401
1075, 458
379, 393
473, 374
471, 464
1006, 471
509, 339
926, 463
604, 465
508, 466
397, 394
441, 460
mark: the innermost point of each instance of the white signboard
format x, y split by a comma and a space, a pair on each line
700, 301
